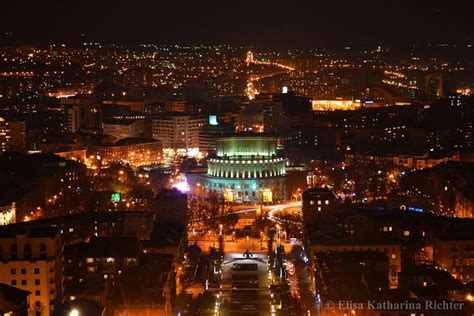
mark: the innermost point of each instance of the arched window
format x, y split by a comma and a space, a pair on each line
27, 251
43, 251
14, 251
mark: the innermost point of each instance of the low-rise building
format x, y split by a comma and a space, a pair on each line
318, 204
464, 203
454, 252
121, 129
134, 151
390, 248
404, 161
13, 301
32, 181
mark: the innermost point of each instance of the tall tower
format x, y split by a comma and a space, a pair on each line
249, 58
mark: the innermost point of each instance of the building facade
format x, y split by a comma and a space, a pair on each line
390, 249
12, 135
33, 261
456, 255
246, 169
178, 131
464, 203
121, 129
135, 151
318, 204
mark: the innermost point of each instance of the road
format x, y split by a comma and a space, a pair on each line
244, 289
232, 300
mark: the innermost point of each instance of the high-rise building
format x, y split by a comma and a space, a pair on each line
209, 134
434, 88
12, 135
246, 169
4, 138
82, 112
17, 132
33, 261
178, 131
176, 104
273, 117
73, 116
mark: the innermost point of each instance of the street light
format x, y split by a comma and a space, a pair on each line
74, 312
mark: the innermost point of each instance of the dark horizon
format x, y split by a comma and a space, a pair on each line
278, 24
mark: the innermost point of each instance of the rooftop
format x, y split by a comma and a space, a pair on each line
13, 294
11, 231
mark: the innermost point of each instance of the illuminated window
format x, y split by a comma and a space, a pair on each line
326, 202
319, 209
390, 229
393, 256
90, 260
319, 202
406, 233
311, 202
267, 196
110, 260
130, 260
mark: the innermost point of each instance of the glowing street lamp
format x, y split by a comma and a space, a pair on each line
74, 312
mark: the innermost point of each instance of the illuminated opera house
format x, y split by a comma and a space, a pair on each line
246, 169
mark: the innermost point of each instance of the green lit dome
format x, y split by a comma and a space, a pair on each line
246, 168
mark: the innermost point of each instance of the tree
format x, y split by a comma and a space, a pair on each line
206, 300
230, 220
213, 210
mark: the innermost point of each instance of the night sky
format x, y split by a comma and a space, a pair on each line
310, 23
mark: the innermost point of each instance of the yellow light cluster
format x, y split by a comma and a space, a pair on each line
336, 104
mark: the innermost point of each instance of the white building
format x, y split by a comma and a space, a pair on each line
124, 129
178, 131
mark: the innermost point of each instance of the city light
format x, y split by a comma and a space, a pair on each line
74, 312
265, 162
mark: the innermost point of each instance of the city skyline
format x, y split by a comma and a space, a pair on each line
236, 158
